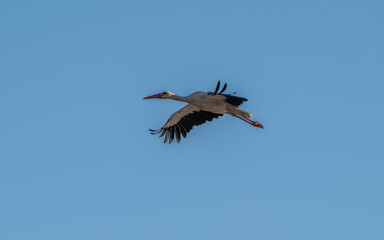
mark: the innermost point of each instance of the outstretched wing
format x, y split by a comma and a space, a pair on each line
233, 100
182, 121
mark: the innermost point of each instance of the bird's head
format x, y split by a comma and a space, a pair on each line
162, 95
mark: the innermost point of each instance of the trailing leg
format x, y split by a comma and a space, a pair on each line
253, 123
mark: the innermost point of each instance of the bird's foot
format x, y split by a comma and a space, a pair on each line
257, 124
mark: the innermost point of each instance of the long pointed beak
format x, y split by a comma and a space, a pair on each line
153, 96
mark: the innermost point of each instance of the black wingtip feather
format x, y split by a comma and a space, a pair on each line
217, 87
171, 134
225, 87
177, 133
153, 132
166, 136
182, 130
162, 133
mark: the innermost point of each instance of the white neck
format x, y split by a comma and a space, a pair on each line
179, 98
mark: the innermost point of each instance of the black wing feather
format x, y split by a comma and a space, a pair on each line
222, 90
177, 133
217, 88
234, 100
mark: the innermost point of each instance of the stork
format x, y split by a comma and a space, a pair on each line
201, 107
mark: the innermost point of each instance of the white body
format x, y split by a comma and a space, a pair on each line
211, 103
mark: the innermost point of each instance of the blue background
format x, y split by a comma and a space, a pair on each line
77, 161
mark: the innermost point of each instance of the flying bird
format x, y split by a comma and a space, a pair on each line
201, 107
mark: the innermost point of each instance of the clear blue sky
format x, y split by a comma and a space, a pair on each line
77, 161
